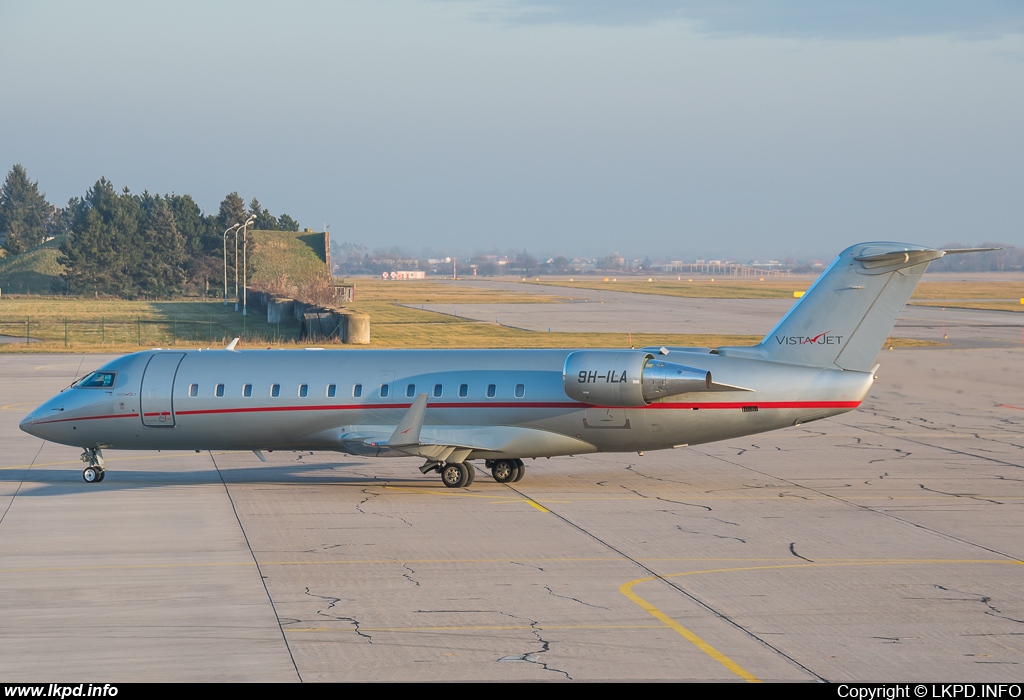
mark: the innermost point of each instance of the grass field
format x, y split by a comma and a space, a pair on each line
33, 272
90, 325
695, 288
995, 296
103, 325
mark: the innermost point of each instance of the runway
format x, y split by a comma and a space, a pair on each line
881, 545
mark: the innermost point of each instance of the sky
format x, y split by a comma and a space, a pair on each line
674, 128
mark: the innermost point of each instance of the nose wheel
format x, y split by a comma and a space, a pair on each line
94, 473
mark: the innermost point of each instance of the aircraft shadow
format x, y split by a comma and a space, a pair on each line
42, 482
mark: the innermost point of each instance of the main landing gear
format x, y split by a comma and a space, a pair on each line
457, 475
454, 475
94, 473
506, 471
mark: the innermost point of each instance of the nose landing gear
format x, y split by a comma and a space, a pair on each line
94, 473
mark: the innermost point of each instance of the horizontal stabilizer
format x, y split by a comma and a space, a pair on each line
961, 251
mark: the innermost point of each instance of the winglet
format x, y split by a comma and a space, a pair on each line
408, 431
232, 344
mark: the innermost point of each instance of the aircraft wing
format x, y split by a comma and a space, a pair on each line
458, 442
446, 443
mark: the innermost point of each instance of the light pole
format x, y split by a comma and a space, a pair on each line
226, 232
236, 267
244, 269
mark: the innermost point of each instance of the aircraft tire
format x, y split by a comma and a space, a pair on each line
471, 474
504, 471
91, 475
520, 471
455, 475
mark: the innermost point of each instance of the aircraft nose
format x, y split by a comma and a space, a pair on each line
29, 423
35, 423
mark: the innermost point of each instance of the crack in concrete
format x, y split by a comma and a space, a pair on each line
961, 495
900, 454
984, 600
529, 566
721, 537
569, 597
667, 500
409, 570
369, 497
545, 647
331, 602
632, 468
792, 550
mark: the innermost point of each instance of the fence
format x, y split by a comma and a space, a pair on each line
142, 332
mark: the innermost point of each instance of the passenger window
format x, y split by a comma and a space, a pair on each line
463, 390
385, 389
357, 390
303, 390
193, 390
332, 391
520, 391
247, 390
275, 390
437, 390
491, 391
410, 390
219, 391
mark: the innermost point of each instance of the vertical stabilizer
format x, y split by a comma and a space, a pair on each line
844, 318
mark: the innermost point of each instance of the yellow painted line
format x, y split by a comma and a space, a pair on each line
508, 560
123, 567
468, 494
371, 562
627, 590
108, 460
470, 628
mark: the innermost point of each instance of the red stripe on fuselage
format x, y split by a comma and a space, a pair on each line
65, 420
552, 405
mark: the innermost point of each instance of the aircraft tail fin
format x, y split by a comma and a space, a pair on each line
844, 318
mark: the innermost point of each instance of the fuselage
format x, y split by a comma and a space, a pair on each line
329, 399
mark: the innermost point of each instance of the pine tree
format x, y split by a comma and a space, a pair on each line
161, 267
24, 211
232, 211
104, 245
265, 221
287, 223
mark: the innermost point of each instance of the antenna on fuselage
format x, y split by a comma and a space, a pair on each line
232, 344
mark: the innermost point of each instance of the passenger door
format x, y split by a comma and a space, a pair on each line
157, 403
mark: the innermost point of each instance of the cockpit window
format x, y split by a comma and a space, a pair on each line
97, 380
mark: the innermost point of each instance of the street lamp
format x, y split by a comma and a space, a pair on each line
226, 232
244, 268
236, 266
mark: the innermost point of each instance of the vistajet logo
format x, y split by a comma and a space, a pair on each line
820, 339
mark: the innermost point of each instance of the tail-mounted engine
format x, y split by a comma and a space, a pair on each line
627, 378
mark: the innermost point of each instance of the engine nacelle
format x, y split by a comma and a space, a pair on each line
627, 378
